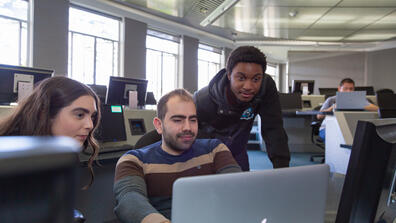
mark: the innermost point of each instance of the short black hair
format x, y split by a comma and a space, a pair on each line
181, 93
347, 80
246, 54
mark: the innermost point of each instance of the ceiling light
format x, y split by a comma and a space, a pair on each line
220, 10
293, 13
203, 10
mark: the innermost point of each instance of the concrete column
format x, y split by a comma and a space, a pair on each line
189, 64
133, 59
50, 25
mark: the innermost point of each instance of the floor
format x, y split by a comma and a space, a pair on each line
259, 160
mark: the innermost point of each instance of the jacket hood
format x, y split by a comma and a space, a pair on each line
217, 88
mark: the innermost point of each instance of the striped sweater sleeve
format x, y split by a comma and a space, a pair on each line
130, 191
224, 162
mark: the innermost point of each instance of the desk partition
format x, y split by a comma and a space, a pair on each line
340, 130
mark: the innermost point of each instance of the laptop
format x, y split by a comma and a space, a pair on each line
296, 194
351, 101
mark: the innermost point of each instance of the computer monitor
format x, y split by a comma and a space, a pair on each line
368, 89
11, 75
38, 179
119, 87
290, 101
369, 193
111, 127
100, 90
328, 91
303, 86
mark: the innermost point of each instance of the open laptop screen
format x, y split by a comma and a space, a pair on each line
272, 196
351, 101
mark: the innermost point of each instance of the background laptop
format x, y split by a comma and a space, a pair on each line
351, 101
296, 194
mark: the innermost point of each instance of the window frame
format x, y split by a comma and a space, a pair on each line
168, 37
71, 33
20, 27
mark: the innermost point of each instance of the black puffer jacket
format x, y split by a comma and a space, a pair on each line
232, 125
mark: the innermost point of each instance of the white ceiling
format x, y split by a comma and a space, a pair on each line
284, 24
313, 20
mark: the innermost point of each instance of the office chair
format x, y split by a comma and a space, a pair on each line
315, 139
147, 139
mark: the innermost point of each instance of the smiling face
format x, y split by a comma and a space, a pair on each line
245, 80
179, 127
76, 119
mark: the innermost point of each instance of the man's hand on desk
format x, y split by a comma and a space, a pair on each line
329, 109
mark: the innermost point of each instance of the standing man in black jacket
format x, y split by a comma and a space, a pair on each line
227, 107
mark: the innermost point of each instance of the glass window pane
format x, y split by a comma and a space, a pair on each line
24, 40
93, 24
162, 45
104, 61
13, 35
115, 59
14, 8
168, 73
208, 66
94, 63
9, 42
161, 65
153, 72
83, 58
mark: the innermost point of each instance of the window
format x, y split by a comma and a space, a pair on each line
93, 46
272, 70
208, 64
13, 35
161, 62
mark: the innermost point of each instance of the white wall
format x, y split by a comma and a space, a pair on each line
327, 68
381, 69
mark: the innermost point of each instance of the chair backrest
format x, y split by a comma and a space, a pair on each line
387, 105
148, 139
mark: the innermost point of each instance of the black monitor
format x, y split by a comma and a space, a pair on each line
10, 76
100, 90
328, 91
368, 89
38, 179
119, 87
291, 101
369, 193
299, 86
111, 127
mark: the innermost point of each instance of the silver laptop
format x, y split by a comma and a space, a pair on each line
350, 101
296, 194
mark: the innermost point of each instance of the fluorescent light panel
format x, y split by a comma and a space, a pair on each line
227, 4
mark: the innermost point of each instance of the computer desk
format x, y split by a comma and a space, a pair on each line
340, 130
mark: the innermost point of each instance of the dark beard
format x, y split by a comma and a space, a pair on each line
172, 144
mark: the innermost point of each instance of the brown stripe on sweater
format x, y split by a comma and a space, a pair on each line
223, 159
182, 166
128, 166
160, 184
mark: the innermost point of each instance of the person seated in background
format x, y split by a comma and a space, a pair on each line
346, 85
58, 106
144, 177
